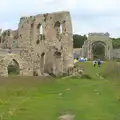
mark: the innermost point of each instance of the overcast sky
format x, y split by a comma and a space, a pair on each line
87, 15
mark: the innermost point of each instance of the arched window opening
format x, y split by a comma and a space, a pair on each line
98, 50
42, 55
20, 36
40, 32
57, 62
8, 33
57, 54
13, 68
42, 62
64, 21
32, 25
38, 41
58, 29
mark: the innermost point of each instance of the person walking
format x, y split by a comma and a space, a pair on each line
94, 63
99, 62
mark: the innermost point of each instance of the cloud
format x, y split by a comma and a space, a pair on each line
87, 15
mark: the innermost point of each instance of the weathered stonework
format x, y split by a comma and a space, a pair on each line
45, 43
22, 65
116, 53
80, 52
95, 38
9, 39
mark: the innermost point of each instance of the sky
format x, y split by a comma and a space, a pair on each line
87, 15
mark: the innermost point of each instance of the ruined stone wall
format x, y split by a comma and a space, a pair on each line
77, 52
23, 66
9, 39
4, 52
116, 53
98, 36
101, 38
45, 42
45, 32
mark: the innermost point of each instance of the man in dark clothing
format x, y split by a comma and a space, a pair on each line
99, 63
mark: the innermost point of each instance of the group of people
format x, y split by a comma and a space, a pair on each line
97, 63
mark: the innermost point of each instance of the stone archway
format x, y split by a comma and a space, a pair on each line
57, 62
53, 61
9, 60
98, 41
42, 62
98, 50
13, 67
59, 29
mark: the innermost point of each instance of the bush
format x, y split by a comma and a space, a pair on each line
112, 70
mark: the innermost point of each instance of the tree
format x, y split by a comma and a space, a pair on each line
78, 40
116, 42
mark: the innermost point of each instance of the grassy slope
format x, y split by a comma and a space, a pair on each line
32, 99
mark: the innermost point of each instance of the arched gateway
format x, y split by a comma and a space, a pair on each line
11, 60
98, 45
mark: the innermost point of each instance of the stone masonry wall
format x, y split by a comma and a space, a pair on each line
9, 39
45, 43
98, 38
116, 53
45, 32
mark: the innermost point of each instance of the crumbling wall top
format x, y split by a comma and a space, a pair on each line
54, 13
99, 34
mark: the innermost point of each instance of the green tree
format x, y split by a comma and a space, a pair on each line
116, 42
78, 40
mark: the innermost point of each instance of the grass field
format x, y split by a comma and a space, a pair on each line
36, 98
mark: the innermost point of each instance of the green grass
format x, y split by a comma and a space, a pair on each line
35, 98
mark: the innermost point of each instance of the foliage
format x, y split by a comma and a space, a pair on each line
78, 40
98, 51
116, 42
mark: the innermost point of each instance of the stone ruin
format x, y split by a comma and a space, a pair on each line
44, 44
96, 39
